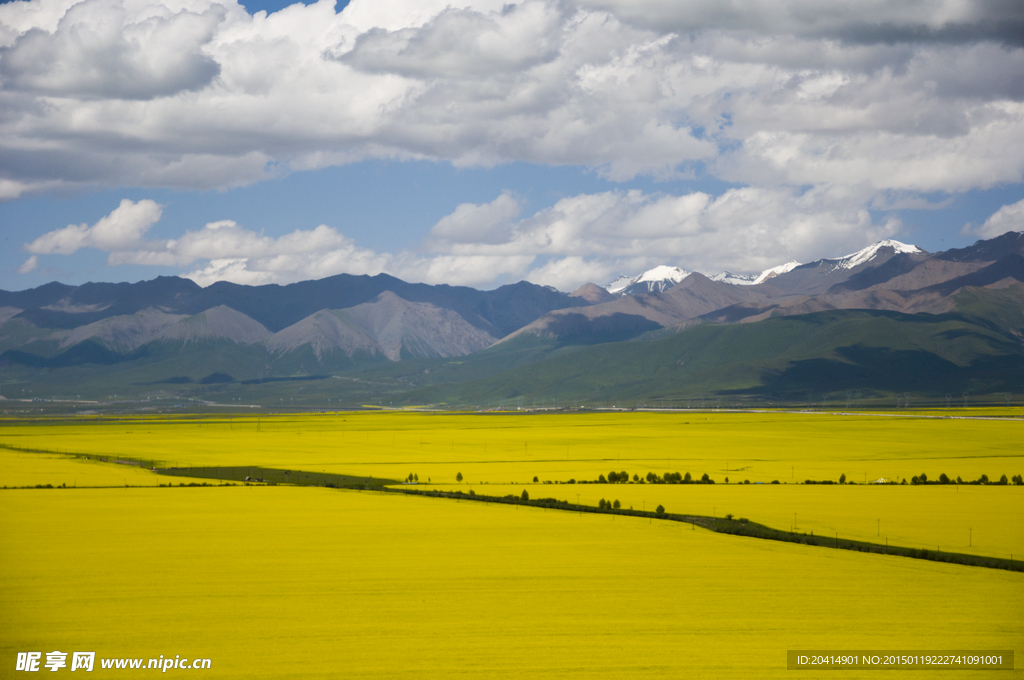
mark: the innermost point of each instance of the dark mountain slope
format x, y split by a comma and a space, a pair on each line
498, 312
823, 352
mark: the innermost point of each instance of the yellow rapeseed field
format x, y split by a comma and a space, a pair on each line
980, 520
517, 447
491, 449
29, 469
289, 582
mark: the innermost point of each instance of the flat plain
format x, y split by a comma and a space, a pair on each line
281, 581
309, 582
977, 520
513, 448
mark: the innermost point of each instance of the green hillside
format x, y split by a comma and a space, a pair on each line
780, 358
826, 356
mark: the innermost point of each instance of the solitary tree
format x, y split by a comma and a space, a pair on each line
458, 477
616, 504
660, 510
535, 479
842, 478
525, 495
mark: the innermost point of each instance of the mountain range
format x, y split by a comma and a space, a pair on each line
378, 335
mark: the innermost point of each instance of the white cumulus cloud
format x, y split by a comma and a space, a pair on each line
123, 228
1008, 218
920, 96
587, 237
29, 265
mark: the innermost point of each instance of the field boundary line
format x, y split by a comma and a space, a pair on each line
735, 527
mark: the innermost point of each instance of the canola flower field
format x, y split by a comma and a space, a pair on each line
291, 582
513, 448
19, 469
975, 520
283, 581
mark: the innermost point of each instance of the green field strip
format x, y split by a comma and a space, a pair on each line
264, 475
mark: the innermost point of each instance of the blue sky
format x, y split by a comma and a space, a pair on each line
485, 142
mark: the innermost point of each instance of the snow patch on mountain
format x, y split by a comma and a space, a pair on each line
861, 256
619, 284
658, 279
754, 279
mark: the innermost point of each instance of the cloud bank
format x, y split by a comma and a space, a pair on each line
580, 238
822, 115
917, 96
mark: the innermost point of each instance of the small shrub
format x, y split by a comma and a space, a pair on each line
660, 510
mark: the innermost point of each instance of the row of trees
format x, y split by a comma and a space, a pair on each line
676, 478
615, 505
944, 479
653, 478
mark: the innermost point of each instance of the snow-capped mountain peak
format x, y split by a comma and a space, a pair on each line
861, 256
754, 279
659, 279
